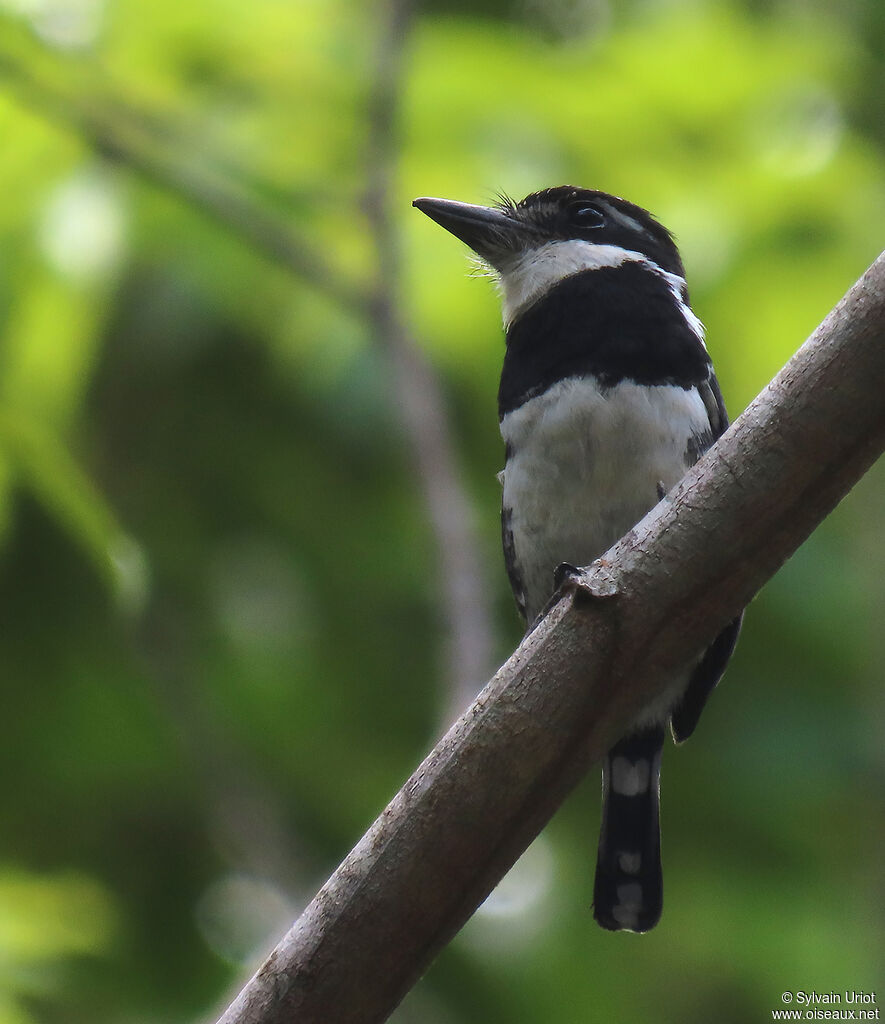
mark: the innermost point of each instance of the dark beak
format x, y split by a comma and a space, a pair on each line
489, 232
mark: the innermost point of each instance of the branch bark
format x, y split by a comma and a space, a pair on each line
607, 645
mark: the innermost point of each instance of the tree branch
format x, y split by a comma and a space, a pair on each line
607, 645
69, 92
419, 398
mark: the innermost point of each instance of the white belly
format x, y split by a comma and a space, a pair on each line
585, 466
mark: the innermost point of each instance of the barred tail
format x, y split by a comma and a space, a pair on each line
628, 892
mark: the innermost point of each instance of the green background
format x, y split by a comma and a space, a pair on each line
222, 645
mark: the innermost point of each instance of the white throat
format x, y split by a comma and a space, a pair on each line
536, 271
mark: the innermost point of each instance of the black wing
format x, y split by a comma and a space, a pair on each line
513, 572
706, 675
709, 669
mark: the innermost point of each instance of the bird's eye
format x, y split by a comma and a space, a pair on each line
585, 215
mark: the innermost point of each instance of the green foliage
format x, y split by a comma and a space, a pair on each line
222, 647
44, 918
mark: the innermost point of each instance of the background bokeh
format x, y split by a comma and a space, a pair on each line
229, 623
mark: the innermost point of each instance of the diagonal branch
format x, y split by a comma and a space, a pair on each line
605, 648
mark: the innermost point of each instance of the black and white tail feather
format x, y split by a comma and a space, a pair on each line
607, 396
628, 892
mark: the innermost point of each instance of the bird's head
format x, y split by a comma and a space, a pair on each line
533, 244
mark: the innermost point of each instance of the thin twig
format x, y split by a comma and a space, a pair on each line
150, 145
419, 397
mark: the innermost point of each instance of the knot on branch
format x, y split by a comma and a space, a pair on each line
596, 581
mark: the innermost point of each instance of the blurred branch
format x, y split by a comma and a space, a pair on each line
417, 392
612, 640
70, 94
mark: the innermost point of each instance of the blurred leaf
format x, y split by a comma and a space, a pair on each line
42, 464
45, 919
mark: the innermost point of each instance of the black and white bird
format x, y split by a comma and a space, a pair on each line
607, 397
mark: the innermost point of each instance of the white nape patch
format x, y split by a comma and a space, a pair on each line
677, 286
630, 863
630, 902
630, 779
535, 271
